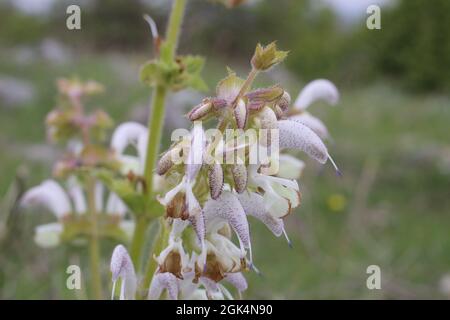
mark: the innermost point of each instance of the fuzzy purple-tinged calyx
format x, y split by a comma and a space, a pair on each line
240, 114
215, 179
253, 205
201, 110
239, 172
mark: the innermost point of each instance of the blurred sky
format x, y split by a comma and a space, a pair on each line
347, 10
352, 10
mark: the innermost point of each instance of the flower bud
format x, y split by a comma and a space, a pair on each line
267, 120
266, 94
167, 160
266, 57
284, 101
218, 103
239, 172
200, 111
240, 114
215, 177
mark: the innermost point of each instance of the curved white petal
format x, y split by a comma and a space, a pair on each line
76, 193
99, 191
291, 194
314, 123
48, 235
197, 294
130, 164
115, 205
127, 226
320, 89
237, 280
290, 167
178, 227
122, 266
227, 208
196, 152
125, 134
51, 195
298, 136
163, 281
142, 149
254, 205
276, 205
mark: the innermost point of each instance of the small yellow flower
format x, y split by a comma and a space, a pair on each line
336, 202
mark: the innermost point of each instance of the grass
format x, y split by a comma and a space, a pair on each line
391, 208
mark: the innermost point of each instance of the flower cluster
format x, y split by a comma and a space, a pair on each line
207, 201
71, 200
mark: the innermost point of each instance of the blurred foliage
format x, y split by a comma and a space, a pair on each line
392, 146
414, 44
310, 35
17, 28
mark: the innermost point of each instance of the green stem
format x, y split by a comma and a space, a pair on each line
159, 243
155, 126
247, 84
173, 30
138, 240
151, 263
94, 246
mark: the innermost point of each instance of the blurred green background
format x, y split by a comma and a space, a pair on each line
390, 133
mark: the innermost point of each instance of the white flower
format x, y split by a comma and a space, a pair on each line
316, 90
315, 124
163, 281
295, 135
228, 209
280, 195
130, 134
122, 267
173, 258
47, 235
290, 167
254, 205
223, 257
238, 281
180, 202
50, 195
63, 204
320, 89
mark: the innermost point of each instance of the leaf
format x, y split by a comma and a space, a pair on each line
180, 74
190, 68
156, 72
134, 200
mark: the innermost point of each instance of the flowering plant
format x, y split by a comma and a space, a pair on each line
199, 192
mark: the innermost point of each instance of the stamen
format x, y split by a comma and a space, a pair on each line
338, 172
113, 289
287, 238
254, 268
153, 27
